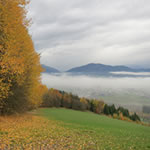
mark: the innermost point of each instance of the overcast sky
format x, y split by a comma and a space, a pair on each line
70, 33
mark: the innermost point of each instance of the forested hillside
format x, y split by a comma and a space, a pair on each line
56, 98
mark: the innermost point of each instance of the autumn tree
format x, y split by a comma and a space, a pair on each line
53, 98
19, 63
97, 106
85, 103
67, 100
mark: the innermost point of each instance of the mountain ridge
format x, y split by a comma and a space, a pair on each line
97, 67
49, 69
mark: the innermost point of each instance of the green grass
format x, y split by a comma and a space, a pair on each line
104, 132
64, 129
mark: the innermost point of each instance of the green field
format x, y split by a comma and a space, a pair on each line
104, 132
64, 129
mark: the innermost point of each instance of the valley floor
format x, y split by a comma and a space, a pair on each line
63, 129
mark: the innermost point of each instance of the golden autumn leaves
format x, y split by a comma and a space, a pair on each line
19, 63
30, 132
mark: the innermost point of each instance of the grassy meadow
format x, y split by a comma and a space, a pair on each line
64, 129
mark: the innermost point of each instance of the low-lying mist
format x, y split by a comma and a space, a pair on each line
132, 93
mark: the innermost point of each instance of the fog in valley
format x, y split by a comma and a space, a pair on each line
130, 92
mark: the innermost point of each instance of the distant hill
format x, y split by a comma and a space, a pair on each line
49, 69
142, 70
101, 68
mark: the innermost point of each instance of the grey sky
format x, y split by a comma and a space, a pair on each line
71, 33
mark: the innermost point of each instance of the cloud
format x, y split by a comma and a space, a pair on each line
121, 91
75, 32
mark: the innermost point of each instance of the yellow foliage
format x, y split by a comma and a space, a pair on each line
115, 116
30, 132
83, 100
19, 63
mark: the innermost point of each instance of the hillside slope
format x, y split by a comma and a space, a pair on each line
106, 133
64, 129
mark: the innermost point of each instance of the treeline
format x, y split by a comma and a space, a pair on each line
120, 113
20, 86
56, 98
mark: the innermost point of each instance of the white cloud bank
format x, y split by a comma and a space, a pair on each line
71, 33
